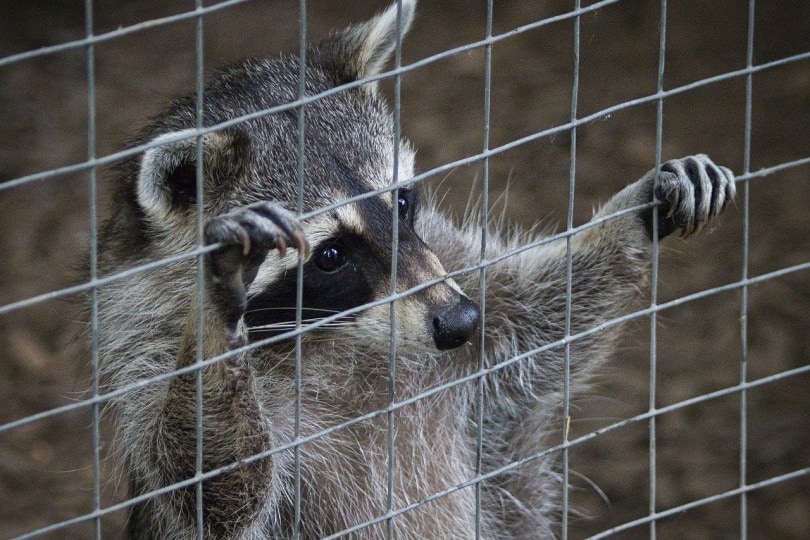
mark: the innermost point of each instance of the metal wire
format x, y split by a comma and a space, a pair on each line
482, 276
451, 165
569, 277
299, 292
392, 286
199, 57
99, 398
749, 104
93, 256
656, 250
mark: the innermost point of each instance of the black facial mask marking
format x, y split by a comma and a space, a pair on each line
343, 273
326, 290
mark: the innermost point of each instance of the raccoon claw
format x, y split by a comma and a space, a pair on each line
293, 234
246, 236
692, 191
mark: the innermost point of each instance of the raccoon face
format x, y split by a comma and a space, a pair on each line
349, 151
350, 266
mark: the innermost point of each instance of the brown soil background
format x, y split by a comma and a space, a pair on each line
46, 466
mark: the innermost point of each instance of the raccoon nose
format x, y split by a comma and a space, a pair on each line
455, 325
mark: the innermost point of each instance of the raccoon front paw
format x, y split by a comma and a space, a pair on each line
692, 191
246, 235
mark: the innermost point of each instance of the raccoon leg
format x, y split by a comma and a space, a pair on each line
528, 310
526, 300
611, 260
234, 427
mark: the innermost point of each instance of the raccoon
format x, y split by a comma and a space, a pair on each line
385, 416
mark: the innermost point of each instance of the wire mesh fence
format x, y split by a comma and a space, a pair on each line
524, 112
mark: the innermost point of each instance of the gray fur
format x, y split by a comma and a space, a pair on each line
149, 321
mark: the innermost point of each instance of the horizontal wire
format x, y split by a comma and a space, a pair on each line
704, 501
102, 398
613, 322
194, 133
94, 39
90, 284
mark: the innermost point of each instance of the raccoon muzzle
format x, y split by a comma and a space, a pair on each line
453, 326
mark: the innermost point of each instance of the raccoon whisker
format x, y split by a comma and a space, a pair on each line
287, 324
290, 308
331, 339
440, 189
291, 325
473, 200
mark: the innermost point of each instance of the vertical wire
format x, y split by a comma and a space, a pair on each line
482, 277
569, 272
200, 272
392, 374
93, 222
653, 398
299, 290
749, 84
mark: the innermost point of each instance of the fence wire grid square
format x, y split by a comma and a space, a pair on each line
533, 112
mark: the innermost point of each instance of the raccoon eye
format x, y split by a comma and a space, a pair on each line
406, 206
330, 259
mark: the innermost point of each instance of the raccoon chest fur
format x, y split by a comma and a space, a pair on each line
350, 476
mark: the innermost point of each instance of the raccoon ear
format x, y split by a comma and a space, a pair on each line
167, 179
361, 50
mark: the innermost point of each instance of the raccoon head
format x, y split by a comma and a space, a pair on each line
349, 151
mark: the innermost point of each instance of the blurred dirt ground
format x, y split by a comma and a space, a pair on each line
46, 472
